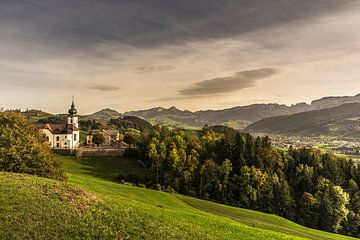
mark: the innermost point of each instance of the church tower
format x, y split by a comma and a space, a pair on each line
72, 117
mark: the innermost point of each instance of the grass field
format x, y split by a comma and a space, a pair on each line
94, 206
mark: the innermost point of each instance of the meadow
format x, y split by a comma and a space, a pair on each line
93, 205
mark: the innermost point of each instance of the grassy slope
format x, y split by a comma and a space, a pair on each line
30, 207
259, 220
248, 217
37, 208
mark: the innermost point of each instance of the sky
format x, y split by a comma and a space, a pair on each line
192, 54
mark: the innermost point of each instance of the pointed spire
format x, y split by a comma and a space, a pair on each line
72, 110
72, 103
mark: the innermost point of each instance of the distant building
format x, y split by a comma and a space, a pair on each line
111, 137
63, 136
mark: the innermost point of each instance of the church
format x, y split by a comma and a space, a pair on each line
63, 136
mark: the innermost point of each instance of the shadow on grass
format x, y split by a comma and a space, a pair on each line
109, 168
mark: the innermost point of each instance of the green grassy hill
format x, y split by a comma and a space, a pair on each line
92, 205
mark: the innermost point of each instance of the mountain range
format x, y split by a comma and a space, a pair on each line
272, 118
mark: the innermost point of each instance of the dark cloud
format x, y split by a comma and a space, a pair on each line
104, 88
239, 80
68, 27
154, 68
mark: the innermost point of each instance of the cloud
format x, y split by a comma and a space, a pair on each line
177, 98
239, 80
103, 87
47, 28
154, 68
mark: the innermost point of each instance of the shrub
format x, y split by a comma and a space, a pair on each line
156, 186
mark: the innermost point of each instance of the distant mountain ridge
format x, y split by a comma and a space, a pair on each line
236, 117
343, 120
329, 102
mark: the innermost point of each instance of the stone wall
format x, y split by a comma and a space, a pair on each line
100, 152
92, 152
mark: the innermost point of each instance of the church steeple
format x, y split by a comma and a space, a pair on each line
73, 118
72, 110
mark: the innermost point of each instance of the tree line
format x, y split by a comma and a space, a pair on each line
315, 189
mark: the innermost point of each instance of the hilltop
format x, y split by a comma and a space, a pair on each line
105, 114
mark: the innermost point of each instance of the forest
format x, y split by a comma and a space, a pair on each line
315, 189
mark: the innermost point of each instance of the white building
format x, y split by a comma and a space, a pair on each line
63, 136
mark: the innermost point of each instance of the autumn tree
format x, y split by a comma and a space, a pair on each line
24, 150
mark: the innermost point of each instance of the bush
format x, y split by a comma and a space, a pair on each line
156, 186
24, 150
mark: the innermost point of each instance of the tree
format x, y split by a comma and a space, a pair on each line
308, 210
132, 138
332, 205
24, 150
155, 160
224, 171
98, 139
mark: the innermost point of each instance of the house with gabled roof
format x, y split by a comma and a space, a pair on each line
111, 137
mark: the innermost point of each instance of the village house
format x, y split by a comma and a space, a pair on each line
63, 136
111, 137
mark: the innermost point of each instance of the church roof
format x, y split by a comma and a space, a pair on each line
58, 128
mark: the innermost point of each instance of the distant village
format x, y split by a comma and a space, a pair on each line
349, 147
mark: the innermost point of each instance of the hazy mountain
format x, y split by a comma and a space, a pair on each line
328, 102
236, 117
342, 120
105, 114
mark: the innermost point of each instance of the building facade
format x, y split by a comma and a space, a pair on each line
111, 137
63, 136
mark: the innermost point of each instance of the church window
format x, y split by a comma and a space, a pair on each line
75, 137
57, 138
